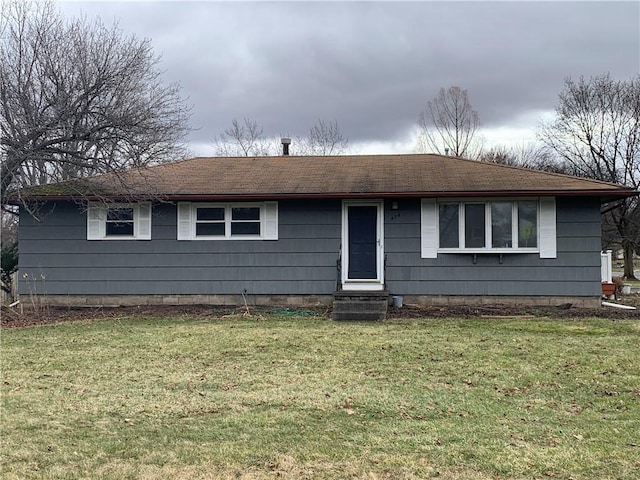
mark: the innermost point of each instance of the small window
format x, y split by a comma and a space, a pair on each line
210, 222
119, 221
245, 221
227, 221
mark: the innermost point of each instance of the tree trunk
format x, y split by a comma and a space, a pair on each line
628, 262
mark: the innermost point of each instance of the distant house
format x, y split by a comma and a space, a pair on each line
295, 230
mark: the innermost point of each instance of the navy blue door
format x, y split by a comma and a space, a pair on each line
363, 240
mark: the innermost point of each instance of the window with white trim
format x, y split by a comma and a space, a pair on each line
228, 221
119, 221
489, 226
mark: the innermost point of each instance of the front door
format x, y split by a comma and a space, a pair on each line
362, 246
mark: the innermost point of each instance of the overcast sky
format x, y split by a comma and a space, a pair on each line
372, 66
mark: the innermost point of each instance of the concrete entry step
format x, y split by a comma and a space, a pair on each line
360, 305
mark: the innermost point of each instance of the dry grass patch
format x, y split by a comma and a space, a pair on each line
283, 397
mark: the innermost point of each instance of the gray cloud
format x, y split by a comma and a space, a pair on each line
372, 66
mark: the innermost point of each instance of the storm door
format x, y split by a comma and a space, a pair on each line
362, 248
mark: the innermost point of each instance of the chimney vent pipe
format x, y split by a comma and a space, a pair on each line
285, 145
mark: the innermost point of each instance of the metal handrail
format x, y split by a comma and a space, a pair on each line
339, 271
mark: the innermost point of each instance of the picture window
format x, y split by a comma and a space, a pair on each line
493, 225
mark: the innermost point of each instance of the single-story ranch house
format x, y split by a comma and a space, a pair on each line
295, 230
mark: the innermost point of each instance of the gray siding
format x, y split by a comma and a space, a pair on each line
302, 261
575, 271
58, 260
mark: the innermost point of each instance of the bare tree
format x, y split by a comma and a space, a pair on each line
78, 98
247, 138
243, 140
533, 156
596, 131
450, 125
325, 138
8, 250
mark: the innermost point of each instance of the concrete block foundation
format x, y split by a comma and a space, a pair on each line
300, 300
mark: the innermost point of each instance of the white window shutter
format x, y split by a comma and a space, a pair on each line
143, 221
548, 227
428, 228
96, 221
270, 221
184, 221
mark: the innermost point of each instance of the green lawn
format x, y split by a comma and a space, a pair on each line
287, 397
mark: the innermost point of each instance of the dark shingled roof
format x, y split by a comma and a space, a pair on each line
347, 176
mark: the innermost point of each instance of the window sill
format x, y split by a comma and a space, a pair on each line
488, 251
123, 237
221, 239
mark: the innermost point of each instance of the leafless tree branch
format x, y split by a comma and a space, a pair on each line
450, 124
78, 98
325, 138
244, 139
533, 156
247, 138
596, 131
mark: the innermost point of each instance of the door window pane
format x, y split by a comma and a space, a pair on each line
449, 226
501, 221
474, 234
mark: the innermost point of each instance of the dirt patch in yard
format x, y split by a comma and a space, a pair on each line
496, 311
12, 317
510, 311
15, 317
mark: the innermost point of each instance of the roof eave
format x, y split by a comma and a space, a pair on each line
608, 194
416, 194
